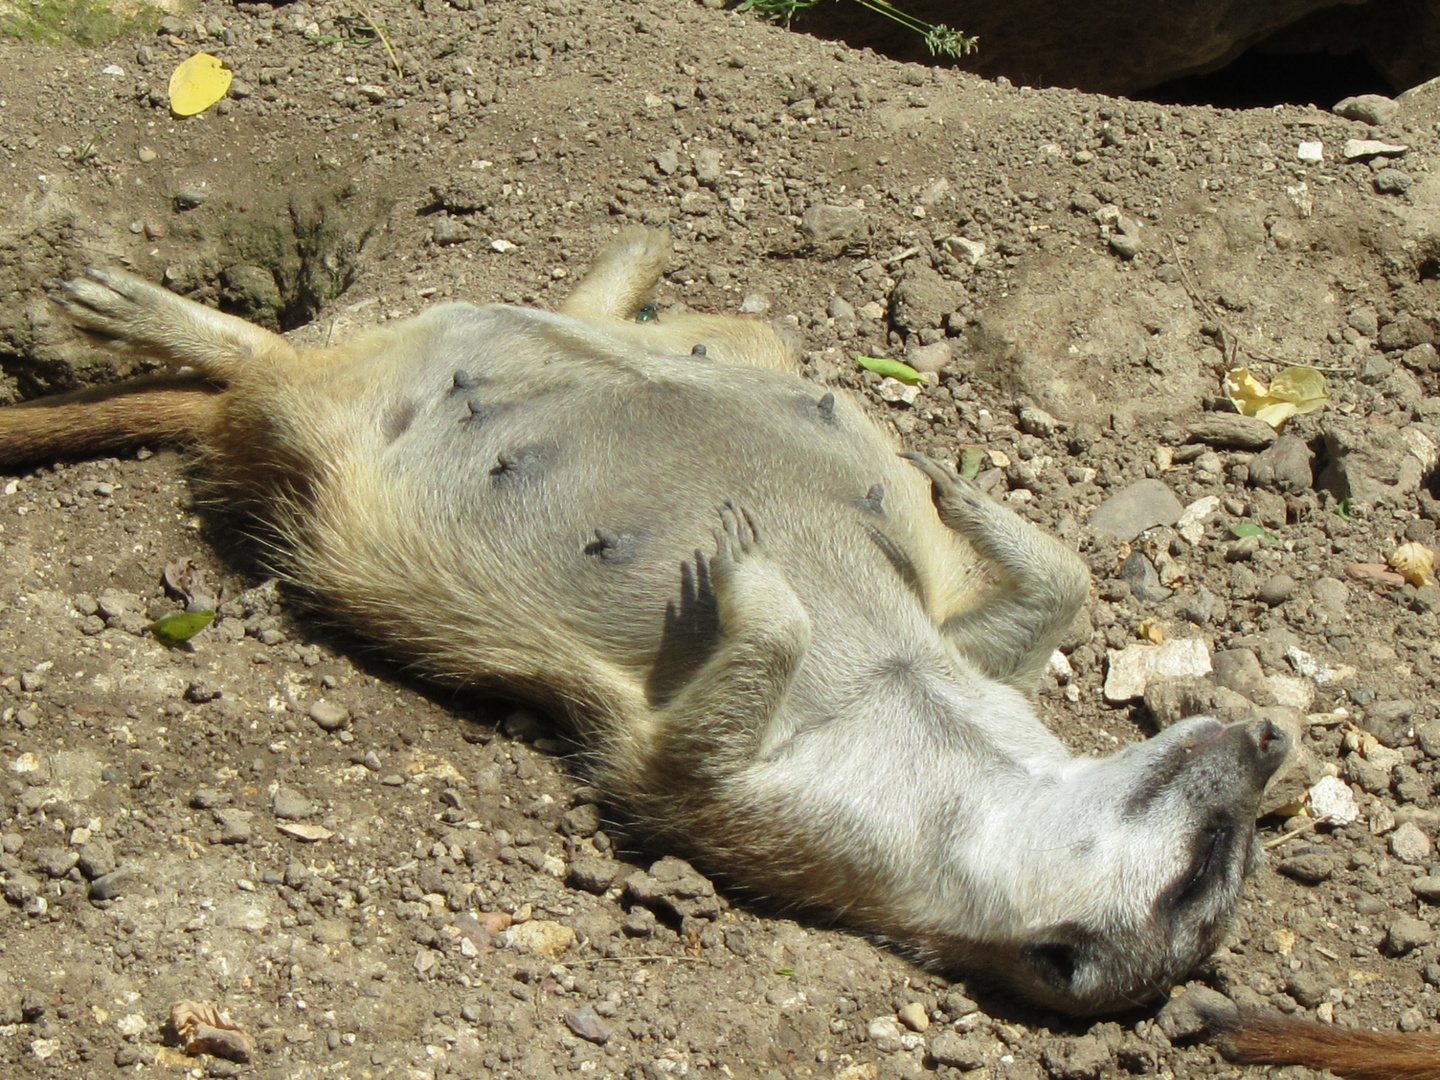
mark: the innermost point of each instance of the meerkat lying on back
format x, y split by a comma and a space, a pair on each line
791, 653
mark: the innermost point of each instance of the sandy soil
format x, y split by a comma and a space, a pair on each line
376, 879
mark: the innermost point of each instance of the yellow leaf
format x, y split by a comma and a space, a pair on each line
198, 83
1152, 631
1294, 391
1415, 563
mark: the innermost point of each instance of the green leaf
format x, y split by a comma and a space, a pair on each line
892, 368
971, 458
1343, 509
179, 627
1242, 529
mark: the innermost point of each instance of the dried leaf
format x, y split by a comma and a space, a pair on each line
204, 1029
893, 368
1415, 563
1295, 391
198, 83
178, 627
1152, 631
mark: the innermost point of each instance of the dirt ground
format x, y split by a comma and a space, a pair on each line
374, 878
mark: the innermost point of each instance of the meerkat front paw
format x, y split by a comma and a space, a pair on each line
750, 591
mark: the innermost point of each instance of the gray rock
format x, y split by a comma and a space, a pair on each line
1142, 505
20, 888
1189, 1015
449, 230
1172, 700
1389, 721
188, 198
1374, 109
1139, 573
329, 716
586, 1023
593, 874
1392, 182
55, 862
1410, 845
235, 827
1369, 460
96, 858
1233, 431
1308, 869
840, 308
1427, 889
1308, 988
116, 883
1284, 466
1126, 245
1406, 934
825, 224
708, 166
1275, 590
289, 805
922, 298
1239, 670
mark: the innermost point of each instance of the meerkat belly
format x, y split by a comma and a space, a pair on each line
577, 480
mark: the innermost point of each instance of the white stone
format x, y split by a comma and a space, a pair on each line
1288, 690
1192, 522
1332, 800
1059, 666
504, 247
1313, 152
1368, 148
1132, 668
895, 390
1410, 845
972, 251
1382, 757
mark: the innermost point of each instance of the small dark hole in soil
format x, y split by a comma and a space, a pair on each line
1430, 269
1256, 80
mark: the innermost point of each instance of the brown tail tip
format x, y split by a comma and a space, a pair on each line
1253, 1037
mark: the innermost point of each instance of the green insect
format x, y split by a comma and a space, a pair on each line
647, 314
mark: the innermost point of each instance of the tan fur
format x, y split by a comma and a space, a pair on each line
792, 654
1257, 1038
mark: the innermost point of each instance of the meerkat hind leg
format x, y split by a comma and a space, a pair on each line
136, 316
1011, 634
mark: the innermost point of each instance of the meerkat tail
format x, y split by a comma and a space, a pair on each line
619, 280
1266, 1038
162, 410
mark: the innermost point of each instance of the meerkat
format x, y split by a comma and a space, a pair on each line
792, 653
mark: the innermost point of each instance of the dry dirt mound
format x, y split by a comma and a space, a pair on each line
377, 881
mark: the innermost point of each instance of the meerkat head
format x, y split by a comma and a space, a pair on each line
1129, 873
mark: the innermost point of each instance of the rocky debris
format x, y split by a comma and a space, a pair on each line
1081, 1058
971, 1050
1130, 670
543, 936
1408, 844
673, 886
1169, 700
1143, 505
1144, 580
1374, 109
289, 805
